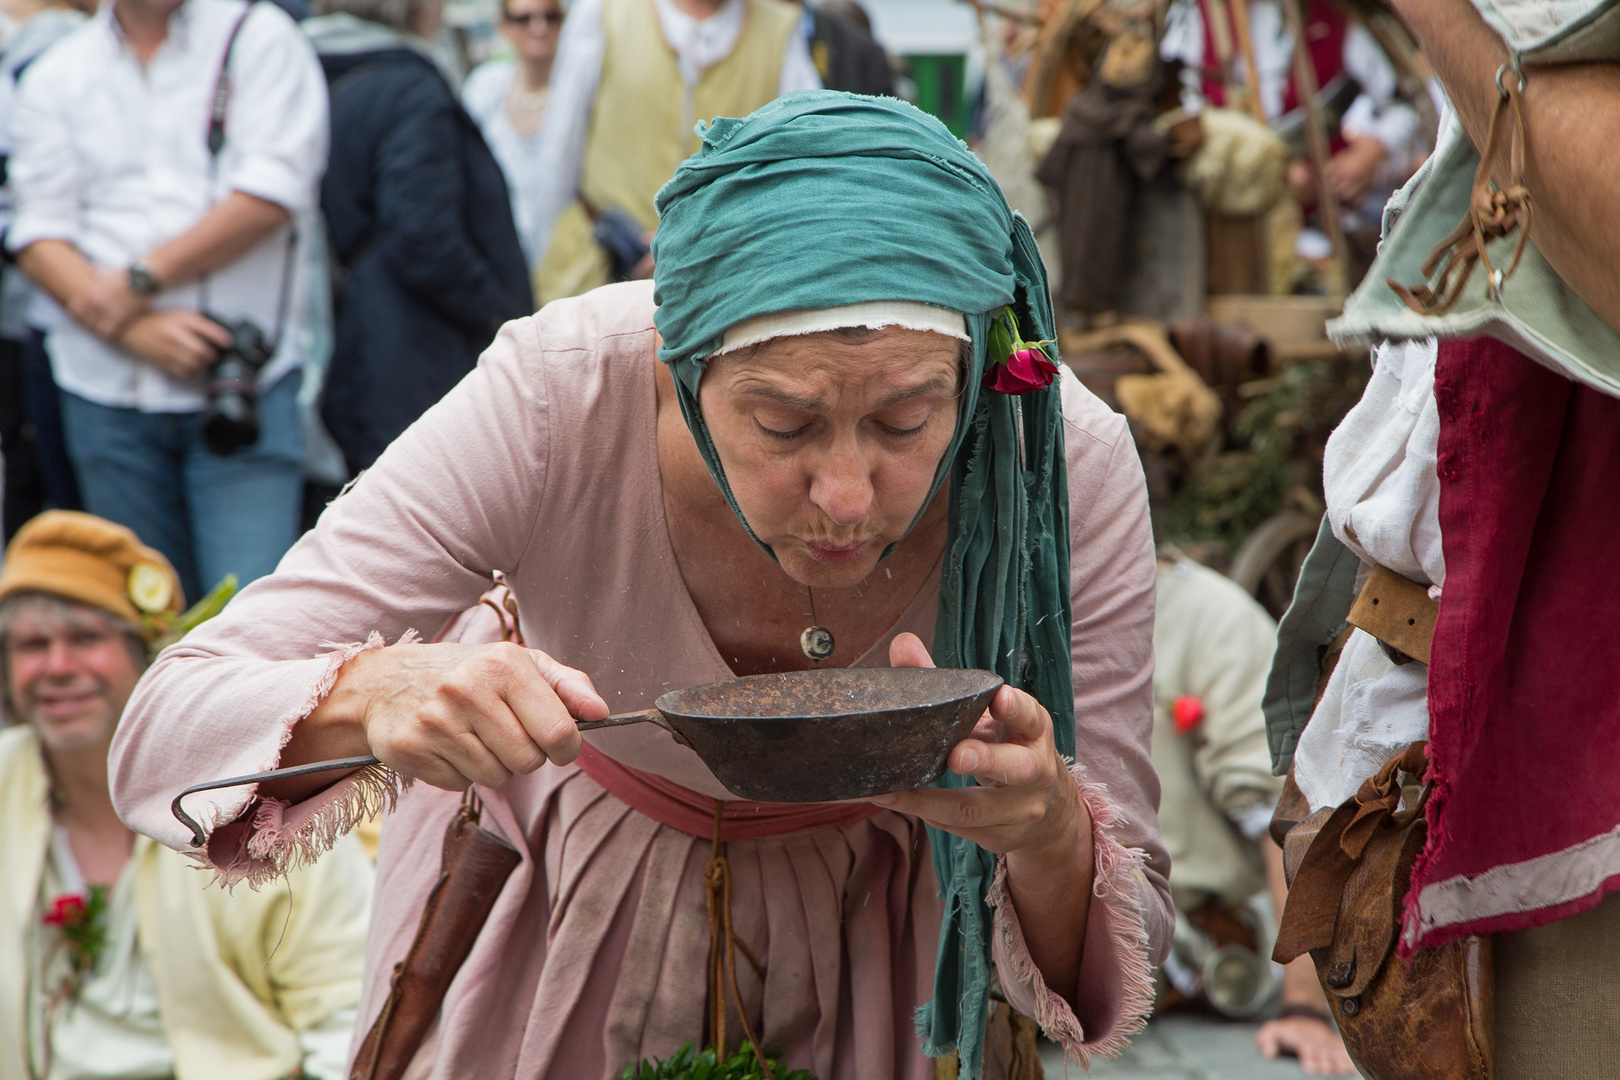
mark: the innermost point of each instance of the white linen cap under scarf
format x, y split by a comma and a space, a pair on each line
874, 315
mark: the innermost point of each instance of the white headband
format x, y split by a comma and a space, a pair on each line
874, 315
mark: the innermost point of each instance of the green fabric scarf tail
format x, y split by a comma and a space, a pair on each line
1004, 605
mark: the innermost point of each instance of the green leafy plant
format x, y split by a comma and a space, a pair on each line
689, 1063
171, 628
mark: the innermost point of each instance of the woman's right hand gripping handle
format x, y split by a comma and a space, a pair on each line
447, 714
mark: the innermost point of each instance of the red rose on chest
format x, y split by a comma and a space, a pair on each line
66, 910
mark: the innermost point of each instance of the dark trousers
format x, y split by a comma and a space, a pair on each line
38, 474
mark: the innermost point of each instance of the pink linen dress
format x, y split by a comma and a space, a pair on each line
542, 465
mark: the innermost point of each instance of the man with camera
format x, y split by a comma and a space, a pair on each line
164, 154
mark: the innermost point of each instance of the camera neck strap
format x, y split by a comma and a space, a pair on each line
216, 144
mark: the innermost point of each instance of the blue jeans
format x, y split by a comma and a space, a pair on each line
210, 515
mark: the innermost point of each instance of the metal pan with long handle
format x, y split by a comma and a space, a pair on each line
798, 736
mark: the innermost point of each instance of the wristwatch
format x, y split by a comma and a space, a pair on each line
142, 282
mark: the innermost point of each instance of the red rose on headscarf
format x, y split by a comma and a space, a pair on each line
1024, 370
66, 910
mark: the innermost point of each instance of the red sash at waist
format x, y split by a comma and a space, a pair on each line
668, 803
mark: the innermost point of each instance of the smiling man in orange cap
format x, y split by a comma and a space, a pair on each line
116, 958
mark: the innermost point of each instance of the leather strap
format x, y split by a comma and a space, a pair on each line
1493, 212
1398, 612
1317, 888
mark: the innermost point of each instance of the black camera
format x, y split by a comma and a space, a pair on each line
231, 421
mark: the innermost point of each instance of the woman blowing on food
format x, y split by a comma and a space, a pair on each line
845, 430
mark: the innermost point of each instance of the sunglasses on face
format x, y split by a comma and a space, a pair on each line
528, 21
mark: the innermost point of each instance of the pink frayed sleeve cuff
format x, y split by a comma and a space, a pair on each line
1115, 994
257, 839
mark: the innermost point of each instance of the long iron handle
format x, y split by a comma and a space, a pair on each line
199, 836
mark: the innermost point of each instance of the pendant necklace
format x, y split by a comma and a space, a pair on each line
816, 640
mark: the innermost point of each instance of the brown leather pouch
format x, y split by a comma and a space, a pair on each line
475, 867
1428, 1018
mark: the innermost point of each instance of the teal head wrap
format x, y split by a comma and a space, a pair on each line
823, 199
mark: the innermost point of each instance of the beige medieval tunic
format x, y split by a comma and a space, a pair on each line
193, 981
542, 464
648, 97
1213, 642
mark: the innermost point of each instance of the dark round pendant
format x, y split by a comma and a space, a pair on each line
817, 642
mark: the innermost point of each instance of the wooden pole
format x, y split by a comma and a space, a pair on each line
1316, 143
1251, 73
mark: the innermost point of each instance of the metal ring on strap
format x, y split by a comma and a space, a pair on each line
1513, 66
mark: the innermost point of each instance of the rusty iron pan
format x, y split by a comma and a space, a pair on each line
796, 736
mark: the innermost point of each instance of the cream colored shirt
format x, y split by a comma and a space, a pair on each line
248, 984
1213, 642
1380, 473
113, 1030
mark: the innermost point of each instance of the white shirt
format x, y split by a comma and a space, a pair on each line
484, 95
113, 1030
1375, 112
22, 305
698, 44
111, 157
1380, 475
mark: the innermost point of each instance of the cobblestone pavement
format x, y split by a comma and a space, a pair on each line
1184, 1048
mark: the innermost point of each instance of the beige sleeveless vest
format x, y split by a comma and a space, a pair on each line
642, 120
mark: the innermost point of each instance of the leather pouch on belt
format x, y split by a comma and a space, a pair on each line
475, 868
1428, 1018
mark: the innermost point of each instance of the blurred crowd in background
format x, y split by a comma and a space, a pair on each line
247, 245
406, 175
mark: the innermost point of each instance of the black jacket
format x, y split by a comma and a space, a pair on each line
428, 264
847, 58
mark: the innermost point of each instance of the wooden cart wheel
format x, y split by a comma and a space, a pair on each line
1267, 564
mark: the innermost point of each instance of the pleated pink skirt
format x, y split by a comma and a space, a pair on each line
595, 955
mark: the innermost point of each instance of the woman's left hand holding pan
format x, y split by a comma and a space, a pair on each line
1027, 808
1026, 804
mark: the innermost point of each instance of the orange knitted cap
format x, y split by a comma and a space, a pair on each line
89, 560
